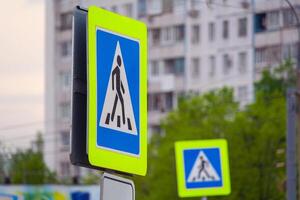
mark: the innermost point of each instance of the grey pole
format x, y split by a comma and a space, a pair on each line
204, 198
291, 123
291, 168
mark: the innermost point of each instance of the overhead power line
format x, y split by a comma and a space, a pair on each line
22, 125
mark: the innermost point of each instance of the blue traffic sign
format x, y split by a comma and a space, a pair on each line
202, 168
118, 92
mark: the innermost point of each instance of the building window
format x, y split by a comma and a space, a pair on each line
268, 55
155, 6
65, 110
155, 36
260, 55
167, 35
65, 169
212, 66
179, 6
179, 66
290, 51
227, 64
225, 29
155, 129
167, 6
66, 48
174, 66
195, 4
65, 138
242, 29
243, 61
154, 68
195, 34
289, 18
142, 8
169, 101
66, 21
274, 54
160, 101
195, 67
114, 9
242, 93
273, 21
128, 9
65, 79
260, 22
179, 33
155, 102
211, 31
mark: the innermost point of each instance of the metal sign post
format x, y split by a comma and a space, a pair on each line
115, 188
291, 164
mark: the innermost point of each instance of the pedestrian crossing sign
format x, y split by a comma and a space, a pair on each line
202, 168
117, 92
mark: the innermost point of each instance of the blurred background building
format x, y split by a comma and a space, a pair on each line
194, 46
276, 35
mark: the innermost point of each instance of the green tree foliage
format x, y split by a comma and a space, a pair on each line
91, 178
278, 80
2, 165
254, 134
28, 167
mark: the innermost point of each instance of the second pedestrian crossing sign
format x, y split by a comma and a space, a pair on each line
202, 168
117, 92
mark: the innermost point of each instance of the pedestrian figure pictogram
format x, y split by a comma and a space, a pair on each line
118, 86
203, 170
117, 111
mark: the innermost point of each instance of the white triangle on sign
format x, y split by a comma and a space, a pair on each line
117, 112
203, 170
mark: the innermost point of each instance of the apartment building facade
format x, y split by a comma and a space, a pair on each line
194, 46
276, 34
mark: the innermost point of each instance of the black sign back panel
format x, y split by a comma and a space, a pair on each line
78, 154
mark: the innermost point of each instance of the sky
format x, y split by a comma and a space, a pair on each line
22, 48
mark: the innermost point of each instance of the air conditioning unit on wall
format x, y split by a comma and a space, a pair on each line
245, 4
193, 13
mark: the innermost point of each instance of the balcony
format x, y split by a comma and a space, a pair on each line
267, 38
267, 5
162, 51
165, 83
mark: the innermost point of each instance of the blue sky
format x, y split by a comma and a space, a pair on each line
22, 33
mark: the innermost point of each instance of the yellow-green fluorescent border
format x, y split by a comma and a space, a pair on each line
100, 18
180, 146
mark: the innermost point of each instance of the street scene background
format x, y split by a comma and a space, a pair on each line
217, 69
